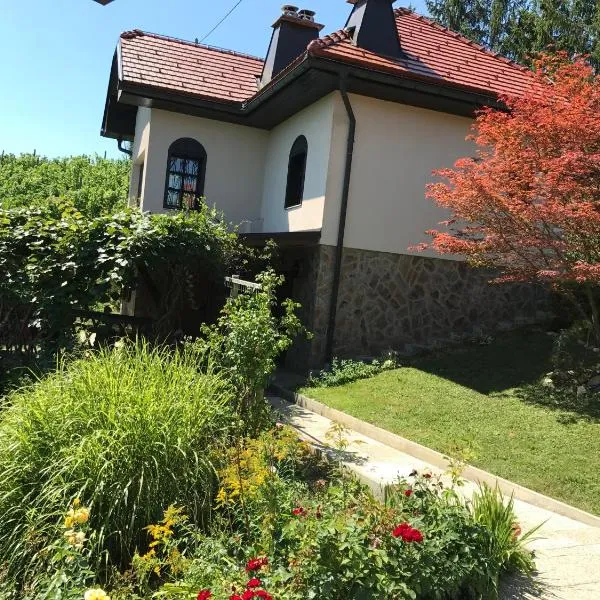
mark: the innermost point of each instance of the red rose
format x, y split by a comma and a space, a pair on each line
408, 533
254, 583
235, 597
256, 564
204, 595
263, 594
408, 493
299, 512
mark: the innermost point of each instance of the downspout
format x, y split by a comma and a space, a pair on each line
339, 251
123, 149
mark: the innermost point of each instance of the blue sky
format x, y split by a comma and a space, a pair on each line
57, 56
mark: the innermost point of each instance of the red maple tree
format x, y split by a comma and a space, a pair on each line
528, 205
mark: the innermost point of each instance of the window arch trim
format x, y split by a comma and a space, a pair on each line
186, 174
296, 174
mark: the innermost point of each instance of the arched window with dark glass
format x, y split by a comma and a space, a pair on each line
186, 170
294, 192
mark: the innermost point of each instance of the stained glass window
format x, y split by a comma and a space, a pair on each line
186, 170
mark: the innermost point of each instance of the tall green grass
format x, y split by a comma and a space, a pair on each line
129, 431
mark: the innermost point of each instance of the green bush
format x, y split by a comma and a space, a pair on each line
56, 260
94, 185
342, 372
506, 544
254, 329
128, 431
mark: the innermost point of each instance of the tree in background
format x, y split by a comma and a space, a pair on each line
519, 29
93, 185
528, 205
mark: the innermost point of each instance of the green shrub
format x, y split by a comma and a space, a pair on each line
506, 542
254, 329
347, 371
94, 185
55, 260
128, 431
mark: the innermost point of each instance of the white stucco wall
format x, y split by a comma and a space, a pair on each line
234, 168
397, 147
139, 153
316, 124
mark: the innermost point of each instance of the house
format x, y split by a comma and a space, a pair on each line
326, 145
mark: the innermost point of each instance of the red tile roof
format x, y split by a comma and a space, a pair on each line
434, 54
188, 68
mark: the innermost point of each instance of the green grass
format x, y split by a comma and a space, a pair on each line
477, 395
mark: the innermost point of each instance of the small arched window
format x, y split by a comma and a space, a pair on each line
186, 169
296, 173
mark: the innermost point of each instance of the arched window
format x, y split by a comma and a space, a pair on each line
296, 173
186, 169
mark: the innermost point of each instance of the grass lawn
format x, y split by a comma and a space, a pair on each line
477, 395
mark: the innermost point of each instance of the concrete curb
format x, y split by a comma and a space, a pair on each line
437, 459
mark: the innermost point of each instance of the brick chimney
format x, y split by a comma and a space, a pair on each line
375, 27
292, 33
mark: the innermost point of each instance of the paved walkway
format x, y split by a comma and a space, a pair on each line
567, 551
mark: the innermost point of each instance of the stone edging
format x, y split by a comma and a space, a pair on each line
437, 459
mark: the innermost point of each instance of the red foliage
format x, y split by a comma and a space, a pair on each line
529, 204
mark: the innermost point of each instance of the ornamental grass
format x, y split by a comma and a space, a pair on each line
128, 431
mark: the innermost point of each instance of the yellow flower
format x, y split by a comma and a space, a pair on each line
96, 595
82, 515
69, 522
76, 503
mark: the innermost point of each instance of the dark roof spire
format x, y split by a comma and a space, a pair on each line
374, 25
293, 31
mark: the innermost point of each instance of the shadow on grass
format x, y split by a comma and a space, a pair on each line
512, 360
571, 408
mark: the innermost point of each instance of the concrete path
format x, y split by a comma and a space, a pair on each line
567, 551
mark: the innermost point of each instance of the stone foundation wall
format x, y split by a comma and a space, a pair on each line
403, 303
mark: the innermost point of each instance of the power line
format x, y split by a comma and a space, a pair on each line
222, 20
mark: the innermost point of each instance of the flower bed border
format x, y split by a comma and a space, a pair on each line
435, 458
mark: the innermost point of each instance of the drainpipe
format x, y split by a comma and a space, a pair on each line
339, 251
123, 149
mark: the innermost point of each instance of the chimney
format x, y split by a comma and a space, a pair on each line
375, 27
292, 33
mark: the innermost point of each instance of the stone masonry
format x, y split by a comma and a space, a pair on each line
404, 303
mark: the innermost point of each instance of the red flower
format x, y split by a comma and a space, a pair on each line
254, 583
235, 597
248, 594
299, 512
408, 493
263, 594
256, 564
204, 595
408, 533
